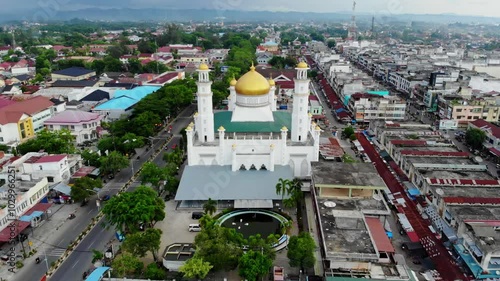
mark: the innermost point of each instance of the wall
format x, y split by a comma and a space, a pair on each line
39, 119
9, 133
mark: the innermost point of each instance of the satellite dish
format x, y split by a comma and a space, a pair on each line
478, 159
330, 204
376, 197
440, 191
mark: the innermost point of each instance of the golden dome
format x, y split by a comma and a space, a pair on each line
271, 82
302, 65
233, 82
252, 84
284, 129
221, 128
203, 66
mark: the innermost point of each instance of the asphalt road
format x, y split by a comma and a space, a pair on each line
80, 259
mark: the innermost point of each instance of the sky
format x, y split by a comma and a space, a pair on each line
461, 7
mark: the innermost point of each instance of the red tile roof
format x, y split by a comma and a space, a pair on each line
313, 97
482, 124
379, 236
51, 158
13, 112
165, 78
435, 153
286, 84
6, 235
409, 142
40, 207
472, 200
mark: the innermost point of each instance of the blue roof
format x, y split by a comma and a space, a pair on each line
97, 274
30, 217
125, 99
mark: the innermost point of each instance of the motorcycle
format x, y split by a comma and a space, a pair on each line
71, 216
37, 260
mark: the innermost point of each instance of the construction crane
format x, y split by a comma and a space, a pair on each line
351, 34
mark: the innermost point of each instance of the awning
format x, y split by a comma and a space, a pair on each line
414, 191
39, 207
253, 204
63, 188
495, 151
6, 234
97, 274
29, 218
379, 236
449, 233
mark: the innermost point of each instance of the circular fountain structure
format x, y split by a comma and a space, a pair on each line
253, 222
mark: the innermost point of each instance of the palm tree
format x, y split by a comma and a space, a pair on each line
295, 193
283, 187
210, 207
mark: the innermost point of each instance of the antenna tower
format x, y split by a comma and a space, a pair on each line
351, 34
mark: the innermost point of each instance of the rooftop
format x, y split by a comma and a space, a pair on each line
73, 84
11, 113
440, 160
354, 174
74, 71
475, 212
73, 116
482, 124
344, 232
223, 118
457, 174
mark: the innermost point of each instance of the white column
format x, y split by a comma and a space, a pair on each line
272, 95
205, 124
316, 136
284, 152
271, 158
300, 123
234, 164
189, 136
232, 95
222, 145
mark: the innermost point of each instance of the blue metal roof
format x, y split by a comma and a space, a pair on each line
97, 274
125, 99
73, 71
30, 217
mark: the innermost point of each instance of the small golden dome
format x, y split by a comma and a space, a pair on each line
271, 82
189, 128
309, 114
252, 84
203, 66
192, 124
318, 128
284, 128
221, 128
233, 82
302, 65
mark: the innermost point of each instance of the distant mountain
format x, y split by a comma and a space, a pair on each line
229, 15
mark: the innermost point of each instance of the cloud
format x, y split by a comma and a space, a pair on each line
462, 7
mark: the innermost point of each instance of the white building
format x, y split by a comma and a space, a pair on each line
366, 107
83, 125
240, 154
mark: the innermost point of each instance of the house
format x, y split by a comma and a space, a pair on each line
125, 58
492, 133
95, 97
5, 66
81, 124
4, 50
12, 90
19, 121
264, 58
74, 83
73, 74
20, 67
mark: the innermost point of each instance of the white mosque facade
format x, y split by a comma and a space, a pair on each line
238, 155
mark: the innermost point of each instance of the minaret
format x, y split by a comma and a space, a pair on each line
231, 100
272, 94
205, 125
300, 118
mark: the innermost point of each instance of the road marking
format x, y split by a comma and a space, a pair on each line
74, 227
90, 212
75, 264
91, 244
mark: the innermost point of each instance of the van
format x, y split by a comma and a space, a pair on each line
196, 215
194, 227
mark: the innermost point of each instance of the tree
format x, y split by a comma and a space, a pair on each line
52, 142
90, 158
195, 267
97, 255
154, 272
282, 187
113, 162
348, 132
145, 124
131, 208
83, 188
475, 138
253, 265
301, 251
331, 43
129, 142
257, 243
153, 174
127, 265
139, 243
295, 193
210, 207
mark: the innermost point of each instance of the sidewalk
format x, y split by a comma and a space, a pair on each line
311, 219
45, 238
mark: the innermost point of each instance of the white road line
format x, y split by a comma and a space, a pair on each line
91, 244
90, 212
75, 264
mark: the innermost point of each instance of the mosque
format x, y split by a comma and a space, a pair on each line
237, 156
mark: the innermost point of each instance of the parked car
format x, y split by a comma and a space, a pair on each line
106, 197
196, 215
174, 146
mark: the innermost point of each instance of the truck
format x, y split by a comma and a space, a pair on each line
278, 273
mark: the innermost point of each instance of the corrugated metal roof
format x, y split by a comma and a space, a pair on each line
435, 153
471, 200
379, 236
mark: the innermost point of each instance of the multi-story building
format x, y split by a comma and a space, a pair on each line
83, 125
73, 74
366, 107
21, 120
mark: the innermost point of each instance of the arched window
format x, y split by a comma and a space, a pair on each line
263, 167
253, 167
242, 168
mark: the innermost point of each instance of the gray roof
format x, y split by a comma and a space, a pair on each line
220, 183
349, 174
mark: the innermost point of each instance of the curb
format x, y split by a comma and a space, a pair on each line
100, 215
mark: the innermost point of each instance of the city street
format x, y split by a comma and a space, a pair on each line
79, 261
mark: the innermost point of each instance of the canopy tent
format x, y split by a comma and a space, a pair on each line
9, 233
97, 274
63, 188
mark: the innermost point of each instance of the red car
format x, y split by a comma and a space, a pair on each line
174, 146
